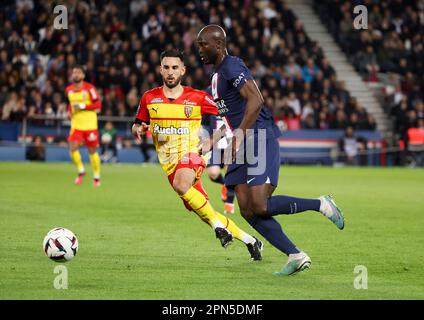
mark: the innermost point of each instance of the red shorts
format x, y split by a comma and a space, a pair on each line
89, 137
192, 161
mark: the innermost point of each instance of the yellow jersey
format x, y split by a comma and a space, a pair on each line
175, 124
86, 118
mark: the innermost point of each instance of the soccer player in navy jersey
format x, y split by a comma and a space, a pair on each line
255, 164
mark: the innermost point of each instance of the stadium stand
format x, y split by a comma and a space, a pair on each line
119, 41
390, 51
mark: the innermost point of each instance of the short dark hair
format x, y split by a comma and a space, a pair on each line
79, 66
172, 53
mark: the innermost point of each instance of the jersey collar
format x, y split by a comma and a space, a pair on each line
222, 62
176, 99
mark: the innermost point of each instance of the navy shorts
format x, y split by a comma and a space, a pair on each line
260, 168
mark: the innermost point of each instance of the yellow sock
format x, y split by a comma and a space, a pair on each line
76, 158
235, 230
95, 164
202, 207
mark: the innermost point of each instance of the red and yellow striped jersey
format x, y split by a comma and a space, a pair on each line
175, 124
83, 119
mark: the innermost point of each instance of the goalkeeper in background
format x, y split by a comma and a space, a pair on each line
84, 104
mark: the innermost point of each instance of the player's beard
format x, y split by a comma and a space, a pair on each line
77, 80
174, 83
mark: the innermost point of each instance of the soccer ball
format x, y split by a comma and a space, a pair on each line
60, 244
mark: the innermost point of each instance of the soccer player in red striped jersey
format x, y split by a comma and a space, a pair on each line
84, 104
173, 113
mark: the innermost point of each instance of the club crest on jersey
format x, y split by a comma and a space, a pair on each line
188, 110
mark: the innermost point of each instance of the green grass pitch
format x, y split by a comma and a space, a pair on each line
137, 241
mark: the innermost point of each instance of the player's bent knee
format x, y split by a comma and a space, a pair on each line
181, 187
246, 214
213, 173
259, 209
245, 211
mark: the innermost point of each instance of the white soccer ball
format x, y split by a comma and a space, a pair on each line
60, 244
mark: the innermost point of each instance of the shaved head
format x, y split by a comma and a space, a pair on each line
211, 41
214, 32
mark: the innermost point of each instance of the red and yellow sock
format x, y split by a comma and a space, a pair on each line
235, 230
95, 164
77, 160
202, 207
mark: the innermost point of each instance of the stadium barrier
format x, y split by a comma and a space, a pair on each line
296, 147
322, 147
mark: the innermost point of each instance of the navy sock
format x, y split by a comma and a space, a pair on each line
290, 205
271, 230
230, 194
219, 179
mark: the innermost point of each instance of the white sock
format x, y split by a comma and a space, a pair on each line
218, 224
295, 256
247, 238
324, 207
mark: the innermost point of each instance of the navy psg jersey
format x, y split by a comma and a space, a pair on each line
227, 81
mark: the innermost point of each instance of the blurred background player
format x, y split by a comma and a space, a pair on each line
36, 151
84, 104
174, 113
108, 147
216, 161
147, 148
241, 103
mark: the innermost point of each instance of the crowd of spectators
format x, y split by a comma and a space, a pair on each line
119, 42
390, 50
